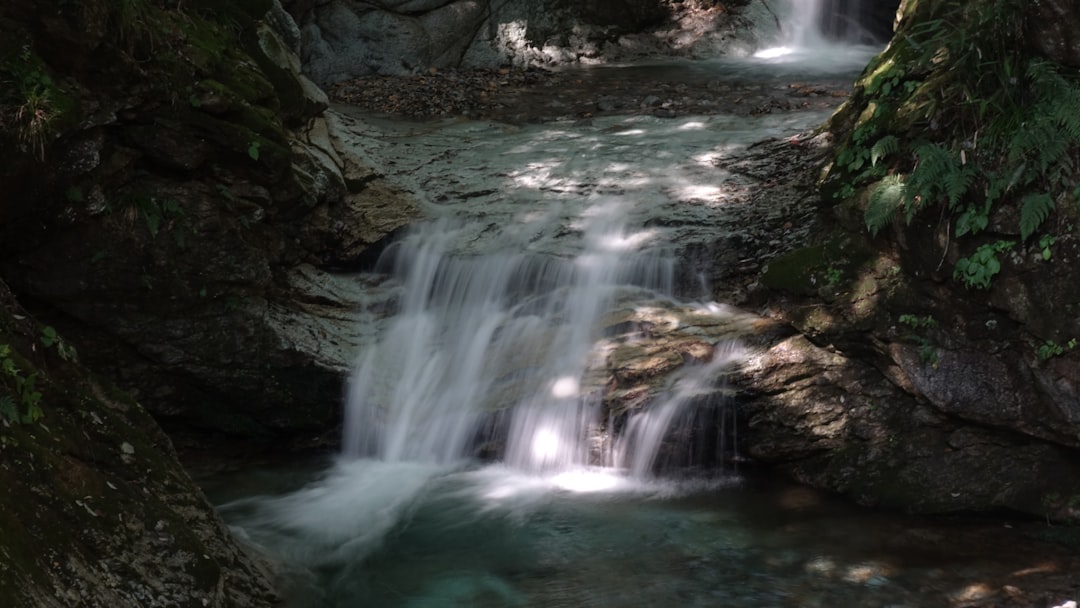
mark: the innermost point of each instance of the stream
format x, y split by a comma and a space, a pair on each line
481, 466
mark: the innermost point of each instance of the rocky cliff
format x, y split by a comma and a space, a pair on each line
96, 510
938, 368
173, 190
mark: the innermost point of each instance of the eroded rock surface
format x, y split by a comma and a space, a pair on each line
164, 227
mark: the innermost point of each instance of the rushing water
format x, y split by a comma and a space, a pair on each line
536, 235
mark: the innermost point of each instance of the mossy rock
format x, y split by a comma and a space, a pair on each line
807, 270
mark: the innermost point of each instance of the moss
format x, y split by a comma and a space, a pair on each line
241, 77
805, 271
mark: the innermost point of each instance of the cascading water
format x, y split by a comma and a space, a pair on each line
547, 275
505, 337
827, 35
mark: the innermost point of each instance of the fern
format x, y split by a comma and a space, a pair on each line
885, 146
956, 184
1033, 213
887, 197
8, 410
938, 173
973, 220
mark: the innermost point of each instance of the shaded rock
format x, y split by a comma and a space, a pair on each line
167, 240
96, 510
1052, 30
344, 40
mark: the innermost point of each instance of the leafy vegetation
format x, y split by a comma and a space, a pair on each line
22, 386
920, 326
980, 267
31, 102
959, 117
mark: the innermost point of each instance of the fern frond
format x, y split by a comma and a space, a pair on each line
956, 184
885, 200
930, 178
1033, 213
885, 146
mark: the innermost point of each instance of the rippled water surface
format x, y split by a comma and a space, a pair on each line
373, 534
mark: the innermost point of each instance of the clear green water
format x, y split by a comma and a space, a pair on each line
372, 534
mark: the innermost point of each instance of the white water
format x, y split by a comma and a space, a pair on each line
536, 234
800, 43
511, 331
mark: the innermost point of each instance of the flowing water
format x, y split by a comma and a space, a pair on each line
536, 235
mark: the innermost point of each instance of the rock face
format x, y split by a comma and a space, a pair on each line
96, 510
343, 39
909, 388
175, 228
1051, 31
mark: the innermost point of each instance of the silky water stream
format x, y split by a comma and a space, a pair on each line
480, 466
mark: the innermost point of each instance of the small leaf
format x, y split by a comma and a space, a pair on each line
48, 335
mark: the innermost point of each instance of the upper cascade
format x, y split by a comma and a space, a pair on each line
817, 22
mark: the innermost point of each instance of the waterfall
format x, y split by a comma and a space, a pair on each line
490, 349
828, 35
805, 20
814, 23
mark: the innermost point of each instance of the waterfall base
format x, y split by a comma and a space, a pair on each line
494, 538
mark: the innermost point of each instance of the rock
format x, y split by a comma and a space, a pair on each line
299, 97
97, 511
343, 40
192, 218
651, 101
1052, 30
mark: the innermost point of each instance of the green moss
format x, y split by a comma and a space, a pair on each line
806, 271
238, 74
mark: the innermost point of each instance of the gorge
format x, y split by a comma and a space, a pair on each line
575, 347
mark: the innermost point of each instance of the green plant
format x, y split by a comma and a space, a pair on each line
50, 338
916, 322
1045, 242
30, 103
253, 150
833, 276
1050, 349
158, 214
976, 270
927, 350
1005, 127
24, 386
